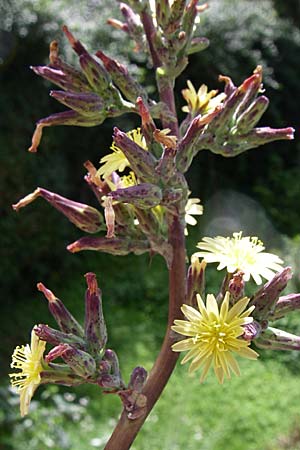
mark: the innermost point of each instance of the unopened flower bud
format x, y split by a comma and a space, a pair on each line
87, 104
275, 339
73, 81
142, 163
138, 379
143, 195
285, 305
195, 280
197, 45
251, 116
96, 75
55, 337
66, 322
79, 361
94, 324
83, 216
251, 331
266, 298
129, 87
236, 285
114, 246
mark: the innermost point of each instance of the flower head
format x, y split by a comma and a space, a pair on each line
117, 161
201, 102
28, 359
240, 253
214, 335
192, 208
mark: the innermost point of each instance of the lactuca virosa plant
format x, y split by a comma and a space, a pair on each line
145, 206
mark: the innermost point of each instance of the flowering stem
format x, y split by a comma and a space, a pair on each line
126, 429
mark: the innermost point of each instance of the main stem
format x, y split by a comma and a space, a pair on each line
126, 429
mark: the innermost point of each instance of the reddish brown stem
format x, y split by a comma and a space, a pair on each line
126, 429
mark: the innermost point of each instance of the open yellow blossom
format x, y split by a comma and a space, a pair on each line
240, 253
117, 161
201, 102
28, 359
214, 336
192, 208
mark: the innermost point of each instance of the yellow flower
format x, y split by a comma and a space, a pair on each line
214, 336
192, 208
240, 253
27, 358
201, 102
117, 160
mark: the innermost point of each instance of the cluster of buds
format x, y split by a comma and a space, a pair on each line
82, 350
229, 129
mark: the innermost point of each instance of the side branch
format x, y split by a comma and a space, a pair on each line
126, 429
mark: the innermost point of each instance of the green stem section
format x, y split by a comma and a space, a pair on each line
126, 429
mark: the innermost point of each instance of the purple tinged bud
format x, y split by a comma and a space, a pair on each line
73, 81
143, 195
55, 337
83, 216
138, 379
195, 280
197, 45
86, 104
114, 246
236, 285
94, 325
251, 331
110, 382
166, 166
96, 75
79, 361
111, 357
142, 162
275, 339
63, 118
66, 322
285, 305
266, 298
252, 115
264, 135
129, 87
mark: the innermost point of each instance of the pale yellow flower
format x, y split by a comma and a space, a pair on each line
117, 161
28, 359
192, 208
214, 336
201, 102
240, 253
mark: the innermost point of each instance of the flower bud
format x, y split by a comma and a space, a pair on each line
251, 116
63, 118
236, 285
285, 305
138, 379
114, 246
251, 331
94, 325
195, 280
72, 81
266, 298
142, 163
129, 87
143, 195
197, 44
79, 361
264, 135
275, 339
66, 322
96, 75
55, 337
85, 104
83, 216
